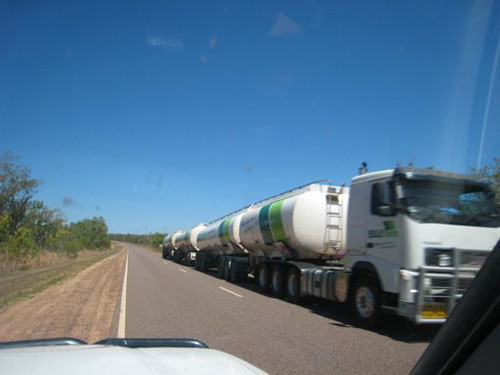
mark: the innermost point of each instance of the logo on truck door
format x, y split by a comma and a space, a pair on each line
388, 231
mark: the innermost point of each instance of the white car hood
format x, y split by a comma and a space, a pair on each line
100, 359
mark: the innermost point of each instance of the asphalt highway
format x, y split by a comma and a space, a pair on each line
165, 299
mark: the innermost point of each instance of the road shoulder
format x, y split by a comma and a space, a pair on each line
82, 307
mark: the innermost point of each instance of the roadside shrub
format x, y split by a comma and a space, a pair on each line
27, 225
21, 244
92, 233
4, 227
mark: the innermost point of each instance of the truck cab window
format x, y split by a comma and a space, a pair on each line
449, 203
382, 199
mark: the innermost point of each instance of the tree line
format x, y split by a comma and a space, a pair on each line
27, 225
491, 174
151, 240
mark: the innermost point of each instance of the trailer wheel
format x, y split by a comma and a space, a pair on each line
365, 302
243, 276
233, 273
199, 261
227, 270
293, 285
203, 263
220, 267
178, 255
278, 281
263, 277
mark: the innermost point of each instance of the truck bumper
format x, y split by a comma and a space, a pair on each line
429, 294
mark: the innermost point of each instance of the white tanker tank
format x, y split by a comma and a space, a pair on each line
170, 243
187, 245
174, 241
222, 235
166, 243
182, 241
190, 241
305, 224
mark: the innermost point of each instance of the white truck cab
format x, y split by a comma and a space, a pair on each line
421, 235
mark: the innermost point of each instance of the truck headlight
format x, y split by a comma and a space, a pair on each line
444, 260
441, 257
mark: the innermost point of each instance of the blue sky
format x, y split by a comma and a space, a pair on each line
160, 115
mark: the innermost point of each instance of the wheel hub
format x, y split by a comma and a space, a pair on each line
365, 302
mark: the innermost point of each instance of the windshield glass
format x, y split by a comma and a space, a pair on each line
280, 124
449, 203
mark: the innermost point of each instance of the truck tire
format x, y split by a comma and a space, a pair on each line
243, 276
293, 285
203, 263
233, 273
227, 270
278, 281
220, 267
263, 278
366, 301
178, 256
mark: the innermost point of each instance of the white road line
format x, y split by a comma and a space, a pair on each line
165, 262
180, 269
123, 304
230, 291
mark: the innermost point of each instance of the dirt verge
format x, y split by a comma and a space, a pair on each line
81, 307
19, 284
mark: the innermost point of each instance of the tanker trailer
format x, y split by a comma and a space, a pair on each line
306, 227
187, 245
165, 247
219, 239
304, 224
173, 245
180, 243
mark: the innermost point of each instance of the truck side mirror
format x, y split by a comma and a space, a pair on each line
386, 210
382, 199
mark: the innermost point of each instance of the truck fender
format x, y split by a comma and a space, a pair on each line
361, 269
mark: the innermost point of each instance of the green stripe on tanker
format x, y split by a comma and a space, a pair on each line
265, 227
227, 237
276, 221
271, 223
224, 231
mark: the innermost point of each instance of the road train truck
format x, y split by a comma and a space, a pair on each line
404, 241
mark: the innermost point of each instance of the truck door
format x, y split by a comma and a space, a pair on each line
383, 234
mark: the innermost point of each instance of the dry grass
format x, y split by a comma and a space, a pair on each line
154, 249
23, 279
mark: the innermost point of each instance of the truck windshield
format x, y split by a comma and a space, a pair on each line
448, 203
